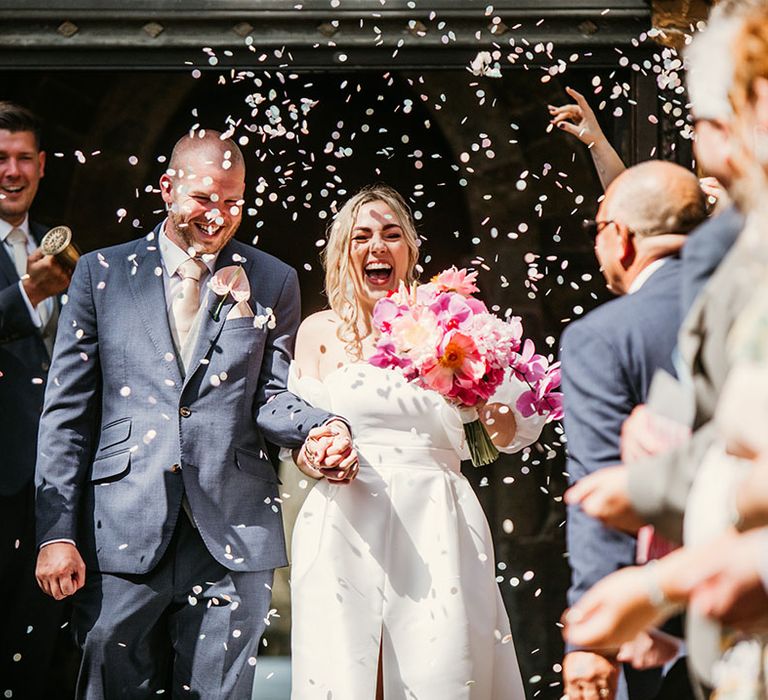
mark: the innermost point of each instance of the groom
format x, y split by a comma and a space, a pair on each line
156, 502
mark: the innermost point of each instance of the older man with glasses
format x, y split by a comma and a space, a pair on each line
608, 360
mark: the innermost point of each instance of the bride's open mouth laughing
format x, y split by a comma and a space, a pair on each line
379, 274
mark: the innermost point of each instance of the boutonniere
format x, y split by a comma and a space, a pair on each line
228, 282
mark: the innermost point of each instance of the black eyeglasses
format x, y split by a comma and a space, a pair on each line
592, 227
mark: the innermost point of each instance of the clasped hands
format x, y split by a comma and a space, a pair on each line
328, 453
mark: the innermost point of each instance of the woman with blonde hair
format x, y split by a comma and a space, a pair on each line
393, 581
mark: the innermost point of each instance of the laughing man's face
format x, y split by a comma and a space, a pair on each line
22, 164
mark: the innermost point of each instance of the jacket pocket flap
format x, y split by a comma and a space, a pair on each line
114, 433
111, 468
256, 465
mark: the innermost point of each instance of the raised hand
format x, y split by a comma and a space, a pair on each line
645, 433
60, 569
614, 611
45, 277
604, 495
579, 120
651, 649
717, 196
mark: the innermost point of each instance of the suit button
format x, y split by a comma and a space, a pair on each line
185, 412
175, 468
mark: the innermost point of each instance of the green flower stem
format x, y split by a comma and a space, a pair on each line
482, 451
224, 297
218, 308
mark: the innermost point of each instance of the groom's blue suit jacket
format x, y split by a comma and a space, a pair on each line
608, 360
125, 434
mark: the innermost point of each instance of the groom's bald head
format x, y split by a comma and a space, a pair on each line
204, 190
209, 145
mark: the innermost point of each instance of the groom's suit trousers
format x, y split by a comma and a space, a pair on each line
188, 602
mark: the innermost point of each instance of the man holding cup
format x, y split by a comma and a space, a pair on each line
29, 284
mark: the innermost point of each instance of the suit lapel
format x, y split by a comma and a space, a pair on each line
211, 323
8, 268
37, 231
148, 291
7, 265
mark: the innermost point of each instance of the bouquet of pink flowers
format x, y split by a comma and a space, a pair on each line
443, 338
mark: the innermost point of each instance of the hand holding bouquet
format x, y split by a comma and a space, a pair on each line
443, 338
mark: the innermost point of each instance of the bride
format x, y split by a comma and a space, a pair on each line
393, 579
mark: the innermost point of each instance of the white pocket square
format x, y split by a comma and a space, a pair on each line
240, 310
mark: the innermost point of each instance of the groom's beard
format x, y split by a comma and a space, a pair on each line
193, 233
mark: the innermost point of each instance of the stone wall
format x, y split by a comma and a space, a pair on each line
675, 18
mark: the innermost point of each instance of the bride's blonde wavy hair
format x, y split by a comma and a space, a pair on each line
339, 280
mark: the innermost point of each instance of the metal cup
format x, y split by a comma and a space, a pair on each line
58, 242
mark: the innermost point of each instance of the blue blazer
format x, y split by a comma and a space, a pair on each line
608, 360
705, 249
124, 435
24, 364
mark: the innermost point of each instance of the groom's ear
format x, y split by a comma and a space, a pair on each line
166, 188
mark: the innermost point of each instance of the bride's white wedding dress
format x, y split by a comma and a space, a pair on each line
400, 560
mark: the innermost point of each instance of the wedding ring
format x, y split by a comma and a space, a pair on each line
603, 692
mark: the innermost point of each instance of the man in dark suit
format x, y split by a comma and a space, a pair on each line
608, 360
157, 505
29, 284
